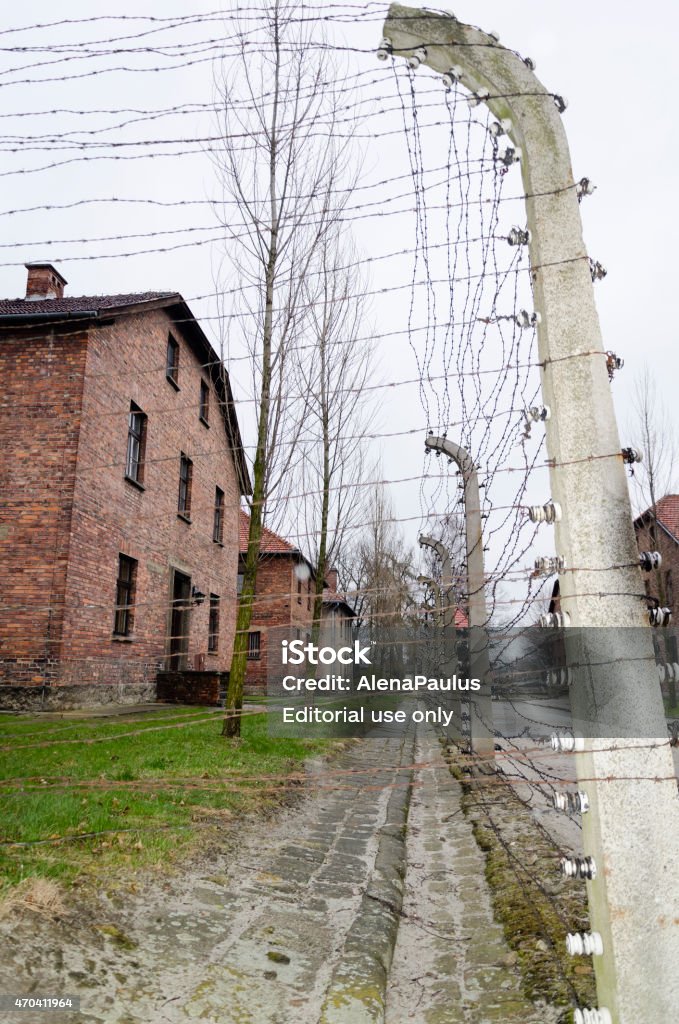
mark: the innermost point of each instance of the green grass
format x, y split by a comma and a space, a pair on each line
169, 778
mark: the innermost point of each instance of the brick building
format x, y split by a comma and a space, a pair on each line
655, 531
284, 598
122, 476
660, 532
338, 616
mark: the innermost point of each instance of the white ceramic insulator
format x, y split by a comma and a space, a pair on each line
585, 1016
584, 944
549, 513
416, 58
384, 49
554, 619
567, 744
567, 802
578, 867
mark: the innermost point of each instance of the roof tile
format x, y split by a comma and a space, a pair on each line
667, 511
271, 544
79, 303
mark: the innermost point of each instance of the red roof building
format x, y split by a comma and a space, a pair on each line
658, 530
122, 477
283, 606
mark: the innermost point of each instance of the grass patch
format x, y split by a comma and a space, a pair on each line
100, 796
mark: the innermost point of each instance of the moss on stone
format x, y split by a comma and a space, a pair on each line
535, 913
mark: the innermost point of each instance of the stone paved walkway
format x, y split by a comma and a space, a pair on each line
297, 927
255, 942
451, 962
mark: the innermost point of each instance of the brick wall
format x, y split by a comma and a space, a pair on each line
77, 521
665, 580
279, 612
42, 383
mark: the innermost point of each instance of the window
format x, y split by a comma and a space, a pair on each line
218, 526
308, 596
172, 360
136, 443
299, 591
669, 589
204, 402
254, 646
239, 583
213, 627
125, 589
185, 477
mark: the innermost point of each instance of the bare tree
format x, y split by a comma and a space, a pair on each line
280, 171
334, 378
652, 425
376, 571
654, 477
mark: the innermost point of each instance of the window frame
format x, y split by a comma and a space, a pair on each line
218, 520
254, 645
126, 592
204, 406
172, 368
134, 463
185, 482
213, 625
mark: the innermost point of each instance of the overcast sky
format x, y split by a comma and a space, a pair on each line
614, 61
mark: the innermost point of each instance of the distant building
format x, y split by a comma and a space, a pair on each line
338, 616
655, 531
122, 476
659, 531
283, 606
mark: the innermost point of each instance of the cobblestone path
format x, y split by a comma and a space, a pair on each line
298, 926
451, 962
255, 942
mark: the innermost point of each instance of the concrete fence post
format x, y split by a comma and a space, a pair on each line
481, 711
632, 828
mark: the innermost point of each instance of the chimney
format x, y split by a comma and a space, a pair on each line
44, 282
331, 579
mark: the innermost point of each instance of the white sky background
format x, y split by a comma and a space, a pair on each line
614, 63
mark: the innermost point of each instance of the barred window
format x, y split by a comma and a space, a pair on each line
254, 646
